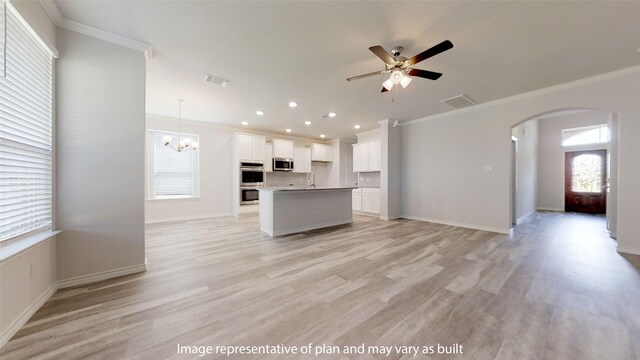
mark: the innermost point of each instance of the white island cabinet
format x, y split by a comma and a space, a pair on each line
292, 210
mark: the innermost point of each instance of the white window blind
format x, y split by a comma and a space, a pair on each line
173, 174
25, 130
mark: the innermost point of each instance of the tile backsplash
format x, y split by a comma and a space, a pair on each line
282, 178
369, 179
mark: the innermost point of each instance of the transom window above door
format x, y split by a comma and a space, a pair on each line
585, 135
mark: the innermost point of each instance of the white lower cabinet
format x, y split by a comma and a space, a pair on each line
366, 200
356, 200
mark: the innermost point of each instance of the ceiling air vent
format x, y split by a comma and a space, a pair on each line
214, 80
459, 102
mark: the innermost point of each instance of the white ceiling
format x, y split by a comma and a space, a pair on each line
274, 52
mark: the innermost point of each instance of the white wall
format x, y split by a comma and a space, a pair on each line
100, 158
526, 167
216, 144
443, 155
27, 280
390, 167
551, 154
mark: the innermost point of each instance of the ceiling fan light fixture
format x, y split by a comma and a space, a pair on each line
396, 77
388, 84
405, 81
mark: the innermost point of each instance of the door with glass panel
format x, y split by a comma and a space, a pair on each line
585, 183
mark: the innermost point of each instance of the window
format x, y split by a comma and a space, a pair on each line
596, 134
586, 174
172, 174
26, 122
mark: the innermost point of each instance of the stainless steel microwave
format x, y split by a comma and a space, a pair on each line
280, 164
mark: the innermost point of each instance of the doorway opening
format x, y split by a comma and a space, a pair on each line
585, 182
565, 161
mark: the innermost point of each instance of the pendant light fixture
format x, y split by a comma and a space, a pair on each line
183, 144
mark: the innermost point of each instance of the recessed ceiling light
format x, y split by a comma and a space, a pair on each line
332, 114
293, 104
288, 130
245, 123
259, 112
307, 122
322, 136
356, 126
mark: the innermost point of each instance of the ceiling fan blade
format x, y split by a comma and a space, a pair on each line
424, 74
384, 89
442, 47
366, 75
382, 54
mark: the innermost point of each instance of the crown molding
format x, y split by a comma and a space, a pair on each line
59, 20
548, 90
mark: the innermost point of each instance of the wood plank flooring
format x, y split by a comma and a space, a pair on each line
556, 289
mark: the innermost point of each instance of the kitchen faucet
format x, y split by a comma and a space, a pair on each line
311, 179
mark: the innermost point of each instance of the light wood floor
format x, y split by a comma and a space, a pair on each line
557, 289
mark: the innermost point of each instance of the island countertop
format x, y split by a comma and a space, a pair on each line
293, 209
303, 188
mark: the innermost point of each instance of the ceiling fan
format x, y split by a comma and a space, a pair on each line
400, 67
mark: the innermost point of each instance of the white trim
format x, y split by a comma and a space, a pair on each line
49, 47
307, 228
542, 208
627, 250
524, 217
100, 276
530, 94
459, 224
59, 20
25, 244
186, 218
22, 319
373, 215
389, 218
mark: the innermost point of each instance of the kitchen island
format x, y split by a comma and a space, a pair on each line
288, 210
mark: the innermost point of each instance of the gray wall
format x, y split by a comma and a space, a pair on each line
526, 167
100, 156
443, 155
551, 155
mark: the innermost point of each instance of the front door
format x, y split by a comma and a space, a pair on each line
584, 184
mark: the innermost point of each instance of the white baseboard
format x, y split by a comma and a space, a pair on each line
373, 215
185, 218
459, 224
91, 278
628, 250
524, 217
22, 319
550, 209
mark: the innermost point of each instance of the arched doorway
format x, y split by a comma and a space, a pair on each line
540, 147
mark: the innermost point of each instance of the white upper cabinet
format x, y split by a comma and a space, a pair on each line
268, 157
283, 149
366, 156
322, 152
374, 156
301, 160
245, 142
250, 147
360, 157
258, 148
